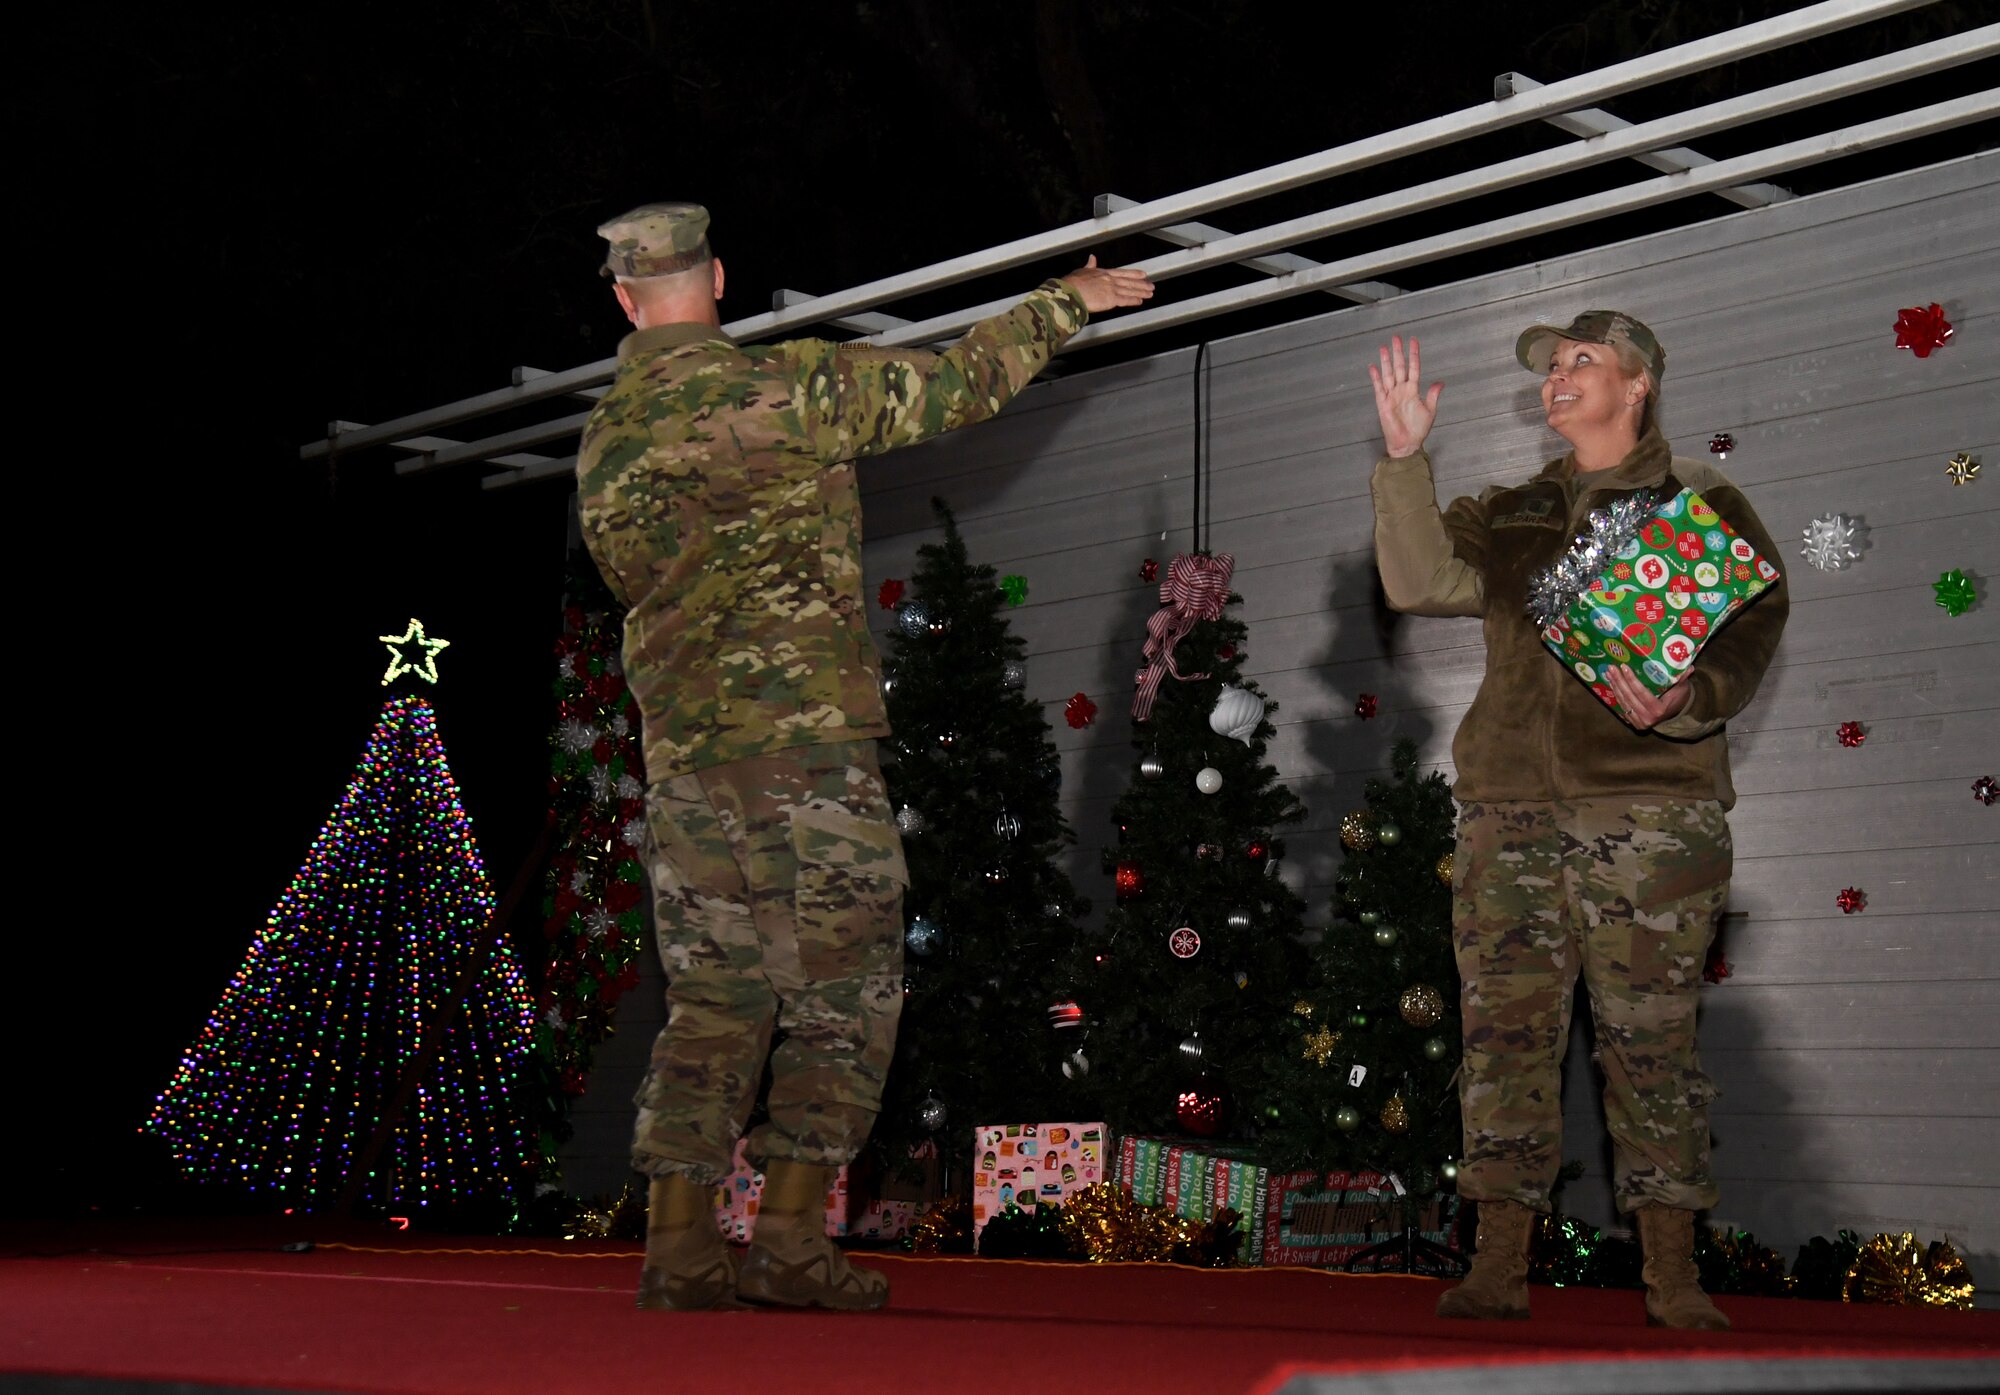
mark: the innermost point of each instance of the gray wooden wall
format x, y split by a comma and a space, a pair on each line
1858, 1056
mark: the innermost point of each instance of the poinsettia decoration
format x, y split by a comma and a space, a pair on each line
1364, 706
890, 594
1922, 329
1851, 900
1079, 711
1149, 570
1851, 734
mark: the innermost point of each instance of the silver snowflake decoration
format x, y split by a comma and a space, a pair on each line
1830, 542
597, 922
634, 833
579, 882
629, 788
566, 666
602, 787
620, 727
576, 736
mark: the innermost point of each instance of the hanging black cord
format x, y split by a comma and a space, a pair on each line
1200, 353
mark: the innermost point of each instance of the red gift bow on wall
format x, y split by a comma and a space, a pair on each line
1196, 588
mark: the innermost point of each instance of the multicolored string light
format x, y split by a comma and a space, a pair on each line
283, 1085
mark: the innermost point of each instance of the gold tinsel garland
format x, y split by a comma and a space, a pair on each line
1105, 1225
1896, 1269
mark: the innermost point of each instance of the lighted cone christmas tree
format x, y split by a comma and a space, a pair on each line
973, 776
1367, 1072
379, 956
594, 911
1190, 986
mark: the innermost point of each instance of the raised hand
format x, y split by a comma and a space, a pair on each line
1106, 288
1405, 410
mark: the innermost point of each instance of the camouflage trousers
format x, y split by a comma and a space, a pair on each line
778, 887
1627, 894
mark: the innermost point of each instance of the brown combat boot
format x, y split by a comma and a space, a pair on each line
1497, 1287
791, 1261
1673, 1284
687, 1265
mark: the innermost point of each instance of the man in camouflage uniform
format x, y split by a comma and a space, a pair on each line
1592, 843
717, 492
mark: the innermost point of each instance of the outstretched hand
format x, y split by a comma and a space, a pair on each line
1405, 410
1641, 710
1108, 287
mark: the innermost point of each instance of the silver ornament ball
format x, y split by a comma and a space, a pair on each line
1013, 673
931, 1113
910, 822
1151, 767
922, 936
913, 618
1192, 1049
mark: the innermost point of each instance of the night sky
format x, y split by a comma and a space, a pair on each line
246, 227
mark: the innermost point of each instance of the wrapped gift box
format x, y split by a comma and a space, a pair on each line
1661, 598
1307, 1218
1324, 1219
737, 1196
1028, 1165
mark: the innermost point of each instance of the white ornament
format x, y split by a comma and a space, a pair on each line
1208, 780
1830, 542
576, 736
1076, 1067
1237, 713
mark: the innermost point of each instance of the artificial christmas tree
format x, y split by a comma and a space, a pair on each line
372, 1044
972, 775
594, 910
1367, 1074
1190, 986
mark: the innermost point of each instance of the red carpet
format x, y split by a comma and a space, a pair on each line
408, 1314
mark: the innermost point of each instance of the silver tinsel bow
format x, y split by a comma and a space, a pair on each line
1829, 542
1552, 590
629, 788
576, 736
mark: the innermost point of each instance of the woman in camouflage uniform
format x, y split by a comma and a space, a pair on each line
1592, 841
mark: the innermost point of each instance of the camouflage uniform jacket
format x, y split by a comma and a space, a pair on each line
1534, 732
717, 492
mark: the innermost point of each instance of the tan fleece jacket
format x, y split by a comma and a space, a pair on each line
1534, 731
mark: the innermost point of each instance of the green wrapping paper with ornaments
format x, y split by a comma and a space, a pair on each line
1646, 585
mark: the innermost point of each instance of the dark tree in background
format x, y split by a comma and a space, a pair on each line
1190, 986
1366, 1077
595, 917
973, 776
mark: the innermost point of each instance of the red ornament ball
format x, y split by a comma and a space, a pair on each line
1129, 880
1065, 1014
1079, 711
890, 595
1364, 706
1851, 900
1149, 570
1203, 1109
1257, 850
1226, 653
1852, 734
1922, 329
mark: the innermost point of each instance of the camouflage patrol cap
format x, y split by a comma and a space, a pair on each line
656, 239
1537, 344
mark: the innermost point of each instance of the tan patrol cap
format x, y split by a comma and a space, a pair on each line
656, 239
1537, 344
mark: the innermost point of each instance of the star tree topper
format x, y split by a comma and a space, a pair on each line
402, 648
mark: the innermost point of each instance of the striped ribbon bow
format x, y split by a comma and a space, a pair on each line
1196, 588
